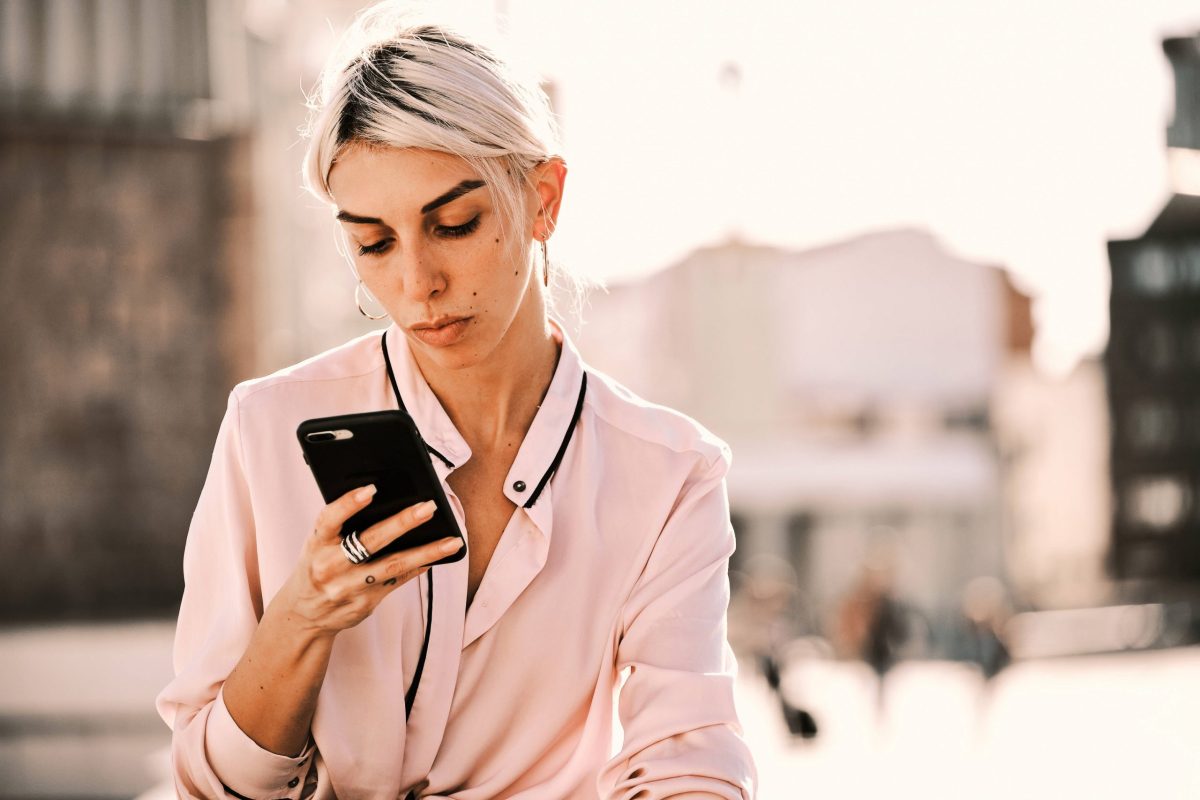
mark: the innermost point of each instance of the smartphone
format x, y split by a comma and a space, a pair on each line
386, 449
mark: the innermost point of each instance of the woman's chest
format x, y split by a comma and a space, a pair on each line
487, 513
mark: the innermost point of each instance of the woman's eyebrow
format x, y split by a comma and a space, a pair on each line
458, 191
346, 216
439, 201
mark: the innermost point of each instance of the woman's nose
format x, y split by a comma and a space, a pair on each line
421, 275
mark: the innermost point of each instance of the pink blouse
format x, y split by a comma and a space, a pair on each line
613, 584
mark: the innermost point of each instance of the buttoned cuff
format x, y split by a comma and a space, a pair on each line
244, 767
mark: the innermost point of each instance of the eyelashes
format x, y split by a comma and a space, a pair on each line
373, 249
444, 231
458, 231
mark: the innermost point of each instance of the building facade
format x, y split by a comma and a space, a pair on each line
1153, 365
124, 314
856, 384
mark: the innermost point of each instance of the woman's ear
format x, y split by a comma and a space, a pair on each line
549, 178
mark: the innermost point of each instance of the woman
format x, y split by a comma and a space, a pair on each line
597, 526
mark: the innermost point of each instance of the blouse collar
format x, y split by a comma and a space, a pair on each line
551, 427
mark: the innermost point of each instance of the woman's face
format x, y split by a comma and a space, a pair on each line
429, 244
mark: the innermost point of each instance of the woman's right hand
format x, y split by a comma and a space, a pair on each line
272, 692
327, 593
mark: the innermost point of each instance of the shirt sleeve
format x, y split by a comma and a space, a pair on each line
681, 727
222, 603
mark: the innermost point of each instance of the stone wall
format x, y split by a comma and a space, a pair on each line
124, 322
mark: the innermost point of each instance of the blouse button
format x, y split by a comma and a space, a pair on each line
519, 486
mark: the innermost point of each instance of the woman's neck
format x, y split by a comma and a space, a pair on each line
493, 403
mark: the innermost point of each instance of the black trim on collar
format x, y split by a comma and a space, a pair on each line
558, 457
562, 448
410, 696
400, 400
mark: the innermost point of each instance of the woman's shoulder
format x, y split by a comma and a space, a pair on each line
652, 426
332, 370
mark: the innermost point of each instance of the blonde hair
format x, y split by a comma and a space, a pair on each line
397, 80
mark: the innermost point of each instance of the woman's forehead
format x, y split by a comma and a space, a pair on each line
365, 178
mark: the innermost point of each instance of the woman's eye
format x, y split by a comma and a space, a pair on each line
373, 249
456, 231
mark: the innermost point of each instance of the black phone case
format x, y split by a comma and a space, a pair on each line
384, 448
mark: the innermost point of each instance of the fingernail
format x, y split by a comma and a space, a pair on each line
426, 509
365, 493
450, 545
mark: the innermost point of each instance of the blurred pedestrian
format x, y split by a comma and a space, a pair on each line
765, 617
872, 625
985, 612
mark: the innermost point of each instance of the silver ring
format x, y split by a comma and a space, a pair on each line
354, 549
363, 553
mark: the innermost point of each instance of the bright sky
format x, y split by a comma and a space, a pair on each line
1024, 133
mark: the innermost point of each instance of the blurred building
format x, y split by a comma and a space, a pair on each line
856, 384
304, 287
124, 314
1153, 363
1052, 432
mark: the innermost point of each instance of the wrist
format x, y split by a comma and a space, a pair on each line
286, 614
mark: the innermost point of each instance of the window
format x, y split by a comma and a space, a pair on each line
1152, 424
1159, 271
1152, 271
972, 418
1187, 262
1156, 347
1192, 423
1192, 345
1157, 502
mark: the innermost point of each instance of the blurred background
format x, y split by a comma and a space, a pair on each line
932, 269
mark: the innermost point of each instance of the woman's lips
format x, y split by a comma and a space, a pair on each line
443, 335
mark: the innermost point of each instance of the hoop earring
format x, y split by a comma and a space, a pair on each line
545, 264
358, 302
